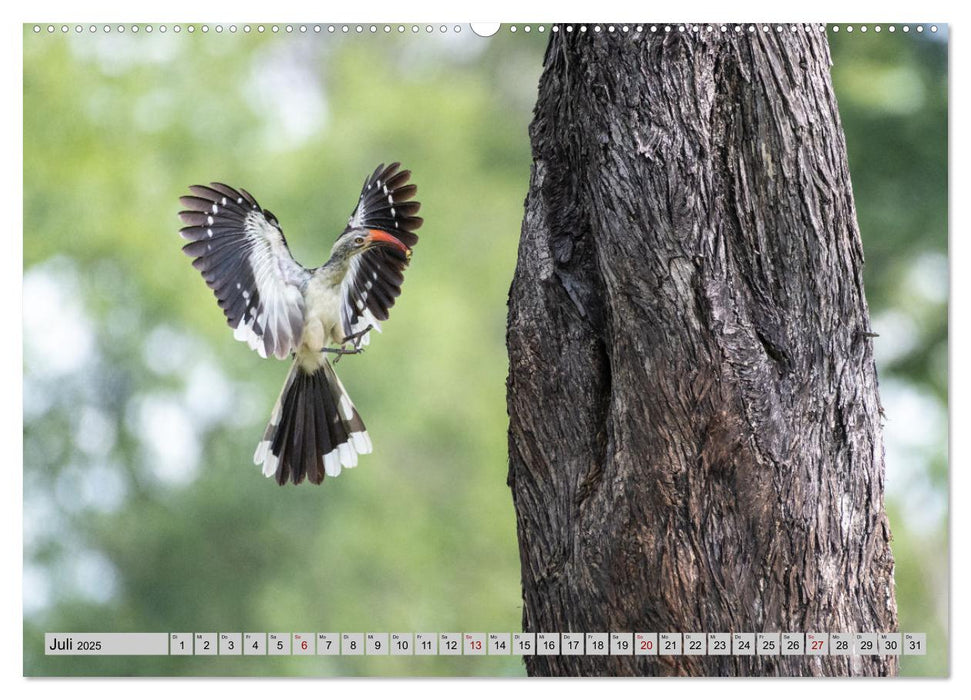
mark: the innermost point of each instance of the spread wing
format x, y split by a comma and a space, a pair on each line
243, 256
373, 280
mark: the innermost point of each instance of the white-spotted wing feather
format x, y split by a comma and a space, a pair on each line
244, 258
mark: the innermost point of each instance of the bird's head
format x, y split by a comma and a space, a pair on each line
357, 241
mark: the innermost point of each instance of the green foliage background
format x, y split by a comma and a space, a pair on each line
143, 511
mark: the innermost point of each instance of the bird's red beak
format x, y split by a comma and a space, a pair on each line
379, 237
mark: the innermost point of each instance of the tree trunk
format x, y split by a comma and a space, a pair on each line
694, 439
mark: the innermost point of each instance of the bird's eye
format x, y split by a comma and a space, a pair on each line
358, 240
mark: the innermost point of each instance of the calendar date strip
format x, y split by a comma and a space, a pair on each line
486, 644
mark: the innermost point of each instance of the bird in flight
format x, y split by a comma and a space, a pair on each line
280, 308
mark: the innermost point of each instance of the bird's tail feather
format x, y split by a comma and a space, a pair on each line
314, 429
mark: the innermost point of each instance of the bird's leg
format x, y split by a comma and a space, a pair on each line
341, 351
356, 337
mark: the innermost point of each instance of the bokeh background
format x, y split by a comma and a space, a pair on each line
142, 509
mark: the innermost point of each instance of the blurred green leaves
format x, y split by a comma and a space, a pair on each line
892, 92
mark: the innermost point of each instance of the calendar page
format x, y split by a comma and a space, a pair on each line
517, 349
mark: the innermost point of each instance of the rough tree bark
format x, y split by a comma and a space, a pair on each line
695, 439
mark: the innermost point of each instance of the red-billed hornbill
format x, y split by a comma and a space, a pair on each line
281, 308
